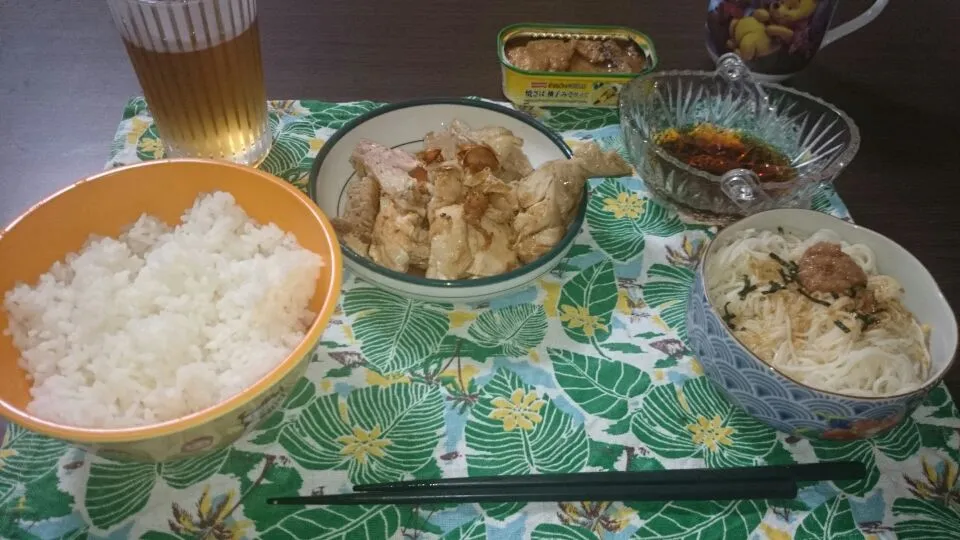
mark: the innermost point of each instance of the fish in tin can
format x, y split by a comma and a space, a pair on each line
571, 66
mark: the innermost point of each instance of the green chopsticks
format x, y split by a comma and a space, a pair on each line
771, 482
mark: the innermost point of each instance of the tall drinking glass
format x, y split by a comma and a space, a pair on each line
198, 62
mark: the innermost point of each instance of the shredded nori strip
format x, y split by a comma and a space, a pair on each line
790, 276
791, 266
811, 298
747, 288
780, 230
842, 326
774, 287
727, 316
835, 295
866, 319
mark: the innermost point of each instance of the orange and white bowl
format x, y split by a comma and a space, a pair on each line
103, 204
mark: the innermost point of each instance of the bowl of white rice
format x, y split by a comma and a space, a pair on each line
162, 310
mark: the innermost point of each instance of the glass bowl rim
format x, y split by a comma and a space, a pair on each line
573, 229
837, 164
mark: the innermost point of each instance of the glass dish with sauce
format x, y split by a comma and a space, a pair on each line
717, 146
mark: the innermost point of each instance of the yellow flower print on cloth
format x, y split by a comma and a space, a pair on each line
363, 443
138, 127
711, 432
597, 517
5, 451
316, 144
696, 422
580, 317
375, 433
625, 205
938, 483
522, 410
211, 518
151, 146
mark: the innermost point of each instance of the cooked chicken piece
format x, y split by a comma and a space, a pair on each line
531, 248
450, 254
400, 238
508, 148
475, 235
447, 182
394, 169
431, 156
543, 55
549, 196
461, 247
359, 214
477, 157
489, 210
492, 248
448, 140
600, 163
503, 206
538, 228
499, 199
558, 183
475, 205
351, 240
491, 147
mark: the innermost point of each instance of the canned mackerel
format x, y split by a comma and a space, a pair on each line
571, 66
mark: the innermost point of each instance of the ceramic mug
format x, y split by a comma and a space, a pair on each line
777, 38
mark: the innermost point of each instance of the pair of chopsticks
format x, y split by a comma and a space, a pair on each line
737, 483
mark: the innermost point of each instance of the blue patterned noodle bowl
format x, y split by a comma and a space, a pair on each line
774, 399
787, 404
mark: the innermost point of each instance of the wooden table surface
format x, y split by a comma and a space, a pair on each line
64, 77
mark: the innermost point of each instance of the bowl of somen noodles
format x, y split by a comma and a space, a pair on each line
818, 327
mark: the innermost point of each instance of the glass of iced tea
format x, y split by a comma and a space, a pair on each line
198, 62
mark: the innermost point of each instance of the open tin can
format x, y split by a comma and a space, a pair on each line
551, 88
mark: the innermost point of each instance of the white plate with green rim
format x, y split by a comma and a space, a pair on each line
403, 125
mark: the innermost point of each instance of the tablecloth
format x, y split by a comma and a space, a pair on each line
585, 371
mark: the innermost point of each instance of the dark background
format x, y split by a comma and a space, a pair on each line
64, 77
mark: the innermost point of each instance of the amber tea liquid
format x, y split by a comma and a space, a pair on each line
200, 68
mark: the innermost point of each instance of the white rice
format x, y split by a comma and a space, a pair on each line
162, 322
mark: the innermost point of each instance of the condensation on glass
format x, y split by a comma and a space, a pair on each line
199, 64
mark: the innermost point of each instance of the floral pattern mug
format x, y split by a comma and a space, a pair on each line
777, 38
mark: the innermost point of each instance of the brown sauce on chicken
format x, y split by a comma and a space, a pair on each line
613, 55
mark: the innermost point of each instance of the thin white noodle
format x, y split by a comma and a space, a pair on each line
801, 338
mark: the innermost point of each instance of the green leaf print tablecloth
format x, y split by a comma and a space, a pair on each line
585, 371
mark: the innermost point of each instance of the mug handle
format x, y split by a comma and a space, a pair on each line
854, 24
